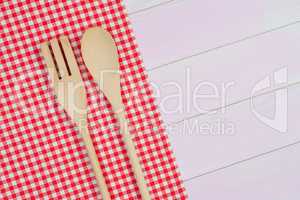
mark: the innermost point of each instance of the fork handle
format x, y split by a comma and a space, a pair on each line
132, 154
95, 163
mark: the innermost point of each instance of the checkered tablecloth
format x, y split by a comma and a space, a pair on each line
41, 153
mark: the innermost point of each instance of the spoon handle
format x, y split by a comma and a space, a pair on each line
132, 154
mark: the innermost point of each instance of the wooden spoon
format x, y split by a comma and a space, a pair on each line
100, 55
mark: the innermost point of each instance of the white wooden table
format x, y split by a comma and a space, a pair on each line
205, 59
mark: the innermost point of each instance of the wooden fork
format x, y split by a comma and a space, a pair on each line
70, 92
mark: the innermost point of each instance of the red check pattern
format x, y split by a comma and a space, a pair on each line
41, 153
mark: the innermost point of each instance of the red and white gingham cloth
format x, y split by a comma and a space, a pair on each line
41, 153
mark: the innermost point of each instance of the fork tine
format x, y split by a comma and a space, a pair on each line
68, 51
54, 73
61, 62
